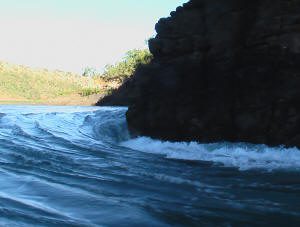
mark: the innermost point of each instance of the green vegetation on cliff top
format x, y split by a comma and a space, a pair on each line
126, 68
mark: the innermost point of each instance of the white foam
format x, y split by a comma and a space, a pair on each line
242, 156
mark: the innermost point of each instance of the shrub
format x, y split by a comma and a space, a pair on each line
89, 91
126, 68
90, 72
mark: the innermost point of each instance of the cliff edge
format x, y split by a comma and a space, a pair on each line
223, 70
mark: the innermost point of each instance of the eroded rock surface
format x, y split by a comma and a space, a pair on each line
222, 70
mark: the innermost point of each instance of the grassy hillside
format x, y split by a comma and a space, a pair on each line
23, 84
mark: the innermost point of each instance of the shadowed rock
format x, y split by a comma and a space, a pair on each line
222, 70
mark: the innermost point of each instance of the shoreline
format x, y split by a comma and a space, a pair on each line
69, 100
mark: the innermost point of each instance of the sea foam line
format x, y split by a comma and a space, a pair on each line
240, 155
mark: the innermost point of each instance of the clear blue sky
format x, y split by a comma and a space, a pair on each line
73, 34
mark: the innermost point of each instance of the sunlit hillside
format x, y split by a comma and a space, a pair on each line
23, 84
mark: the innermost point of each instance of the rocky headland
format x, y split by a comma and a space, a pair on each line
223, 70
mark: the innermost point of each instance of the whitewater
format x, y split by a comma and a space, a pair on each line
79, 166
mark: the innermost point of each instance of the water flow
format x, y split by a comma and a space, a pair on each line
78, 166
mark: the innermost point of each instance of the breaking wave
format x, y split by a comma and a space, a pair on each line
242, 156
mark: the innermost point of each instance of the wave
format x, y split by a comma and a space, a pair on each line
240, 155
108, 125
69, 166
94, 129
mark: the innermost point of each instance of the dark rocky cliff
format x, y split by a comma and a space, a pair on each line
222, 70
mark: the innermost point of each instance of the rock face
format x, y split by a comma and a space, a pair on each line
120, 97
223, 70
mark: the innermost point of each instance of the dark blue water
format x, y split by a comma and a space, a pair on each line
77, 166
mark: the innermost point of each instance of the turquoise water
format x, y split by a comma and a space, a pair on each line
78, 166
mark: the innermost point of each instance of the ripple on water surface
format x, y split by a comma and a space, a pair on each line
78, 166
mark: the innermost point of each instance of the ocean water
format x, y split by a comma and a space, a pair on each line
78, 166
